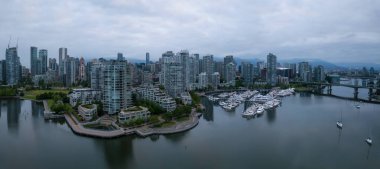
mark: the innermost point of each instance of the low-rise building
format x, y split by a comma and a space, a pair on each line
133, 113
186, 98
153, 93
84, 96
87, 111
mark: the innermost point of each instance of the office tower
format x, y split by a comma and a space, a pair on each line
304, 71
247, 73
271, 69
230, 73
82, 69
43, 57
147, 58
33, 60
117, 86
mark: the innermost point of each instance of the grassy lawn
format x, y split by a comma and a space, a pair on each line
31, 94
185, 118
50, 102
168, 124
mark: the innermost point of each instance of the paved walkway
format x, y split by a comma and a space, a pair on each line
144, 131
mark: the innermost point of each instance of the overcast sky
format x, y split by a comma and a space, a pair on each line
336, 31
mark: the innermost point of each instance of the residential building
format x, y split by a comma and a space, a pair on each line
203, 80
153, 93
43, 58
230, 73
13, 66
133, 113
271, 75
247, 73
33, 60
87, 111
84, 96
116, 88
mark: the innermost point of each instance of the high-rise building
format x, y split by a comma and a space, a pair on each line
3, 72
43, 58
120, 57
304, 71
62, 56
208, 66
33, 60
147, 58
228, 59
247, 73
215, 80
230, 73
293, 70
203, 80
53, 64
82, 69
271, 69
173, 75
13, 66
220, 68
117, 87
319, 73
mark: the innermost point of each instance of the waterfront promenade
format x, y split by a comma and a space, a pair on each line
143, 131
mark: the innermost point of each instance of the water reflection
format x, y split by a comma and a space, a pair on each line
271, 115
13, 113
176, 138
117, 152
208, 113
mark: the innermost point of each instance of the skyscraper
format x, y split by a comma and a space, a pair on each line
43, 58
319, 74
271, 69
13, 66
33, 60
147, 58
62, 57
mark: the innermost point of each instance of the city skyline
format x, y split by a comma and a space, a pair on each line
343, 32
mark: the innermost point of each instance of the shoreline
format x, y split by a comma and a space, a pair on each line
144, 131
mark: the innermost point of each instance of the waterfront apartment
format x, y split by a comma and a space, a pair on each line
87, 111
153, 93
84, 96
133, 113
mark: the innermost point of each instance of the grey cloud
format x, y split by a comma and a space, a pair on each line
330, 30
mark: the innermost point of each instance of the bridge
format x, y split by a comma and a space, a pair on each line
318, 86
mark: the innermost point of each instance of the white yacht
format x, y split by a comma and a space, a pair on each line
339, 124
369, 141
260, 110
357, 106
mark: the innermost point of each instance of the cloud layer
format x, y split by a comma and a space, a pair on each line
336, 31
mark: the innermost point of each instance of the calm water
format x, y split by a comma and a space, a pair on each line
302, 133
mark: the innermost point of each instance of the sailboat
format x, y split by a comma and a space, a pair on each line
339, 124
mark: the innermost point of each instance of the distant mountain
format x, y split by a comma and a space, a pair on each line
360, 65
314, 62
